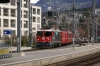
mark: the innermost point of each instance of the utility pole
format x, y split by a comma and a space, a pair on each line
93, 20
73, 23
96, 31
30, 24
58, 17
18, 26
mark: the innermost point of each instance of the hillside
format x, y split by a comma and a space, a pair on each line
65, 4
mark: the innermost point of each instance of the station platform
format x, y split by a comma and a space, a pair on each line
22, 48
44, 57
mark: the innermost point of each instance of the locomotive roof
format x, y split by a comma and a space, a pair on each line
53, 30
49, 30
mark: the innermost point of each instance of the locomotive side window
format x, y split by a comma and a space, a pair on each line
47, 33
39, 33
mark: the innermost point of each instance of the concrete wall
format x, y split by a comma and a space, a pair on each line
59, 58
1, 41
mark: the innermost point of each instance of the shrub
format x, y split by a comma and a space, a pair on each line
24, 41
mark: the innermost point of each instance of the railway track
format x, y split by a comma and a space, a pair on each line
88, 60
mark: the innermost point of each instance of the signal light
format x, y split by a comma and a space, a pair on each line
4, 1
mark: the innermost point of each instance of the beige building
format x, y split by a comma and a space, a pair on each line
8, 17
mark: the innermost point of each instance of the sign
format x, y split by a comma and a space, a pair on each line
6, 31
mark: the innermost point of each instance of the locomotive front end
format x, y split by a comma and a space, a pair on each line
43, 39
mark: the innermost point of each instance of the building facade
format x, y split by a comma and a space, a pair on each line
97, 11
8, 17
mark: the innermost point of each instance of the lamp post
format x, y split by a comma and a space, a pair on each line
18, 26
96, 31
58, 17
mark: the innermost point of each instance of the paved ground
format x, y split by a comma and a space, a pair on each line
46, 53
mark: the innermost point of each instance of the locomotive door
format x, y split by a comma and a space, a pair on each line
56, 37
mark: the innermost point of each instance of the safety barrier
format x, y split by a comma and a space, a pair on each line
4, 51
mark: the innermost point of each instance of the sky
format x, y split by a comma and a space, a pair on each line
34, 1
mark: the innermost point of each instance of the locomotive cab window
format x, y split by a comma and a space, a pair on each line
47, 33
39, 33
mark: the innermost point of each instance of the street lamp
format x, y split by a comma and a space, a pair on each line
18, 26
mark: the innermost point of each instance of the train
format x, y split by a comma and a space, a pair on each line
98, 33
50, 38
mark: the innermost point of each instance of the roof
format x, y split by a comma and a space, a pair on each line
49, 30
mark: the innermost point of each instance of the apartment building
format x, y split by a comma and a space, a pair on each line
8, 17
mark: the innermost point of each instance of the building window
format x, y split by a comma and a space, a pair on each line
34, 11
34, 19
5, 22
38, 27
25, 24
21, 2
13, 12
21, 13
34, 28
5, 12
0, 22
13, 32
38, 11
12, 23
21, 24
25, 14
0, 10
38, 19
13, 2
26, 3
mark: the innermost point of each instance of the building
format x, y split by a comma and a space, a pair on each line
8, 17
97, 11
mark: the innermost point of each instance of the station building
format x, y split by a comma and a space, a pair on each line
8, 17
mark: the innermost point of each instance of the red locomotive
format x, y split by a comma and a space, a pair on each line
48, 38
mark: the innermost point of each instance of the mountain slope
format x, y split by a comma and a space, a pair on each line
65, 4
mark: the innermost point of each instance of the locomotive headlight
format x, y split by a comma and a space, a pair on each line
48, 38
38, 39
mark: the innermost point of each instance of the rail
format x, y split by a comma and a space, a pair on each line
81, 61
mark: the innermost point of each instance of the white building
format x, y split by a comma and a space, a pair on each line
8, 17
97, 11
